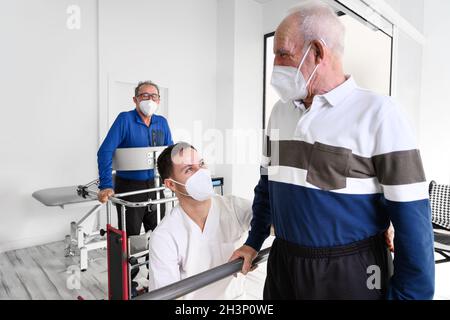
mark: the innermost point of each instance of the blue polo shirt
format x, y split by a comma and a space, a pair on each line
129, 131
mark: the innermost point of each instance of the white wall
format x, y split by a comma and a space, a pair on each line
435, 108
239, 94
410, 10
48, 84
225, 85
171, 42
274, 12
426, 67
248, 68
408, 61
54, 86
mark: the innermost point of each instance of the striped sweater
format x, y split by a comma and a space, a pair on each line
339, 172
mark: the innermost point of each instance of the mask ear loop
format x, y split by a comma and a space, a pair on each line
317, 66
301, 63
177, 182
184, 194
311, 76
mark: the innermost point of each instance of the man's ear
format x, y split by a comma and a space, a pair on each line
169, 184
134, 100
319, 48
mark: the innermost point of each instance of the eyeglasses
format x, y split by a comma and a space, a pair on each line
148, 96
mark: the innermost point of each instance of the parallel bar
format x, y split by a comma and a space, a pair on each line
134, 266
141, 204
108, 213
131, 193
123, 219
185, 286
96, 181
120, 195
116, 200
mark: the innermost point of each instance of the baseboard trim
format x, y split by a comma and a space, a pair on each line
31, 242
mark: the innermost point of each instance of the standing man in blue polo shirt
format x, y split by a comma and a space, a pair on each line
133, 129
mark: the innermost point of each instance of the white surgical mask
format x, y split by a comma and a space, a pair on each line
148, 107
199, 185
289, 82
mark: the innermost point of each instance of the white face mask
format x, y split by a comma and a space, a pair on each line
199, 185
148, 107
289, 82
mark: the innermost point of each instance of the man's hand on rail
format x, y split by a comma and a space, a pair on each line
248, 253
389, 235
103, 195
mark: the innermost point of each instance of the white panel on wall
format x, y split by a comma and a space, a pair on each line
271, 97
408, 77
363, 11
367, 55
435, 108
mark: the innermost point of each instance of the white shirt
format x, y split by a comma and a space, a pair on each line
179, 249
348, 117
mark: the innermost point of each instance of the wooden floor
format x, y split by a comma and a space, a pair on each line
42, 272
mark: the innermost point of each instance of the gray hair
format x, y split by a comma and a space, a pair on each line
317, 20
145, 83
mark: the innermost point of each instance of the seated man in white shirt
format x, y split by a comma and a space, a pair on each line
201, 232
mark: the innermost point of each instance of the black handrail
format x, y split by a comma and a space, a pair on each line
185, 286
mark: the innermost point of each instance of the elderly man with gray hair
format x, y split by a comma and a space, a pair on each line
339, 164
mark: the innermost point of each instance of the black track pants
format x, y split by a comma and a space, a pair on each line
357, 271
